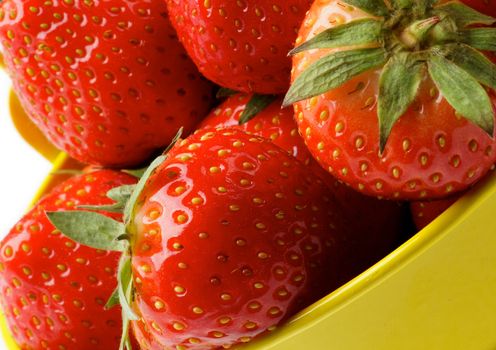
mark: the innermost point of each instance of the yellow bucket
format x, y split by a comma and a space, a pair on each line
436, 291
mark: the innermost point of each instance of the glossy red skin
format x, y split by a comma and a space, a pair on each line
241, 45
273, 123
424, 212
374, 225
119, 108
52, 289
485, 6
430, 153
222, 269
141, 331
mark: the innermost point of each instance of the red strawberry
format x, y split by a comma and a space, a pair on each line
271, 122
106, 81
424, 212
241, 44
485, 6
420, 72
228, 236
52, 289
374, 225
231, 236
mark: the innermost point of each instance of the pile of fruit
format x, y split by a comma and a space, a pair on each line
242, 158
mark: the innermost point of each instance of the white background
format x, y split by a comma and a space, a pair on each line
22, 169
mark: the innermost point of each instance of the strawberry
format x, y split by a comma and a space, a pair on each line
228, 236
485, 6
246, 236
267, 120
241, 44
106, 81
52, 289
374, 226
424, 212
397, 101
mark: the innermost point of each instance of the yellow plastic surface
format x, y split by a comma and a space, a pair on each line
435, 292
11, 345
29, 131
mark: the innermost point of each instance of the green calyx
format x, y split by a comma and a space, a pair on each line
255, 105
101, 232
408, 39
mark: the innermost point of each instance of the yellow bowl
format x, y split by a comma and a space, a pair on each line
436, 291
29, 131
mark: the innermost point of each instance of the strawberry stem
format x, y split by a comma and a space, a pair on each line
417, 32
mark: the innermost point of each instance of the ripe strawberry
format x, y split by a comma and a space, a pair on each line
232, 236
52, 289
420, 71
374, 225
484, 6
241, 44
106, 81
228, 236
424, 212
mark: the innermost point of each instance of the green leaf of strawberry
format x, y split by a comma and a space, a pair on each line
332, 71
399, 84
124, 278
119, 194
135, 172
224, 92
420, 7
125, 293
463, 92
480, 38
462, 14
472, 62
359, 32
256, 104
402, 4
374, 7
113, 300
90, 228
